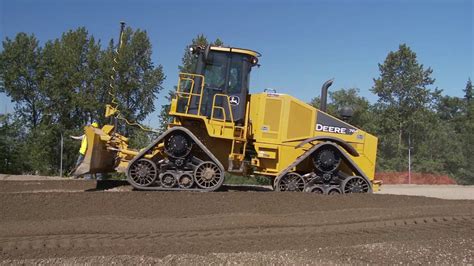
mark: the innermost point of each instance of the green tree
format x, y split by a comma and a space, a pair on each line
466, 172
404, 107
348, 98
19, 62
62, 86
11, 145
468, 91
138, 79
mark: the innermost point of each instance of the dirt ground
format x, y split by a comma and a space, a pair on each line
76, 221
436, 191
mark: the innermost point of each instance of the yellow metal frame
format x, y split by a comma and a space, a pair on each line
191, 93
213, 125
221, 108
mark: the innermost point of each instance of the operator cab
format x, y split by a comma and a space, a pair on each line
226, 74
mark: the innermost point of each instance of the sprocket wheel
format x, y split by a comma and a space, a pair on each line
178, 145
292, 182
327, 159
208, 176
143, 172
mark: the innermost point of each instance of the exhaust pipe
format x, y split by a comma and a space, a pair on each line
324, 94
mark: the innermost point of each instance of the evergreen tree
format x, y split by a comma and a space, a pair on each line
467, 136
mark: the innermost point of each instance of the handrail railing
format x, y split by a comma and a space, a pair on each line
221, 108
190, 94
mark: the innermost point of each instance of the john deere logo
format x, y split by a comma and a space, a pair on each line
234, 100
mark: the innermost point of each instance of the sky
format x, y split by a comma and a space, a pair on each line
303, 43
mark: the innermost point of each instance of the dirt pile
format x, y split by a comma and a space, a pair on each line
416, 178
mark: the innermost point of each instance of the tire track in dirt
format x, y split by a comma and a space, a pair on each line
109, 240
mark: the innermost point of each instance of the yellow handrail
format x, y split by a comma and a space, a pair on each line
182, 76
220, 107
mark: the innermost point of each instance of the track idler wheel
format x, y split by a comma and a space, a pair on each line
355, 184
208, 176
143, 172
327, 159
292, 182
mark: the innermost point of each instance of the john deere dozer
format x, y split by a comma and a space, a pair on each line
219, 127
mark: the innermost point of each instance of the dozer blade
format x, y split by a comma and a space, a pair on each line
97, 158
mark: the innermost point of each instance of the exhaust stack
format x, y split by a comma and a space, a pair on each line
324, 94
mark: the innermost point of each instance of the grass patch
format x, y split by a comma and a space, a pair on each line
245, 180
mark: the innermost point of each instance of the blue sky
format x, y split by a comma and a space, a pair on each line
303, 43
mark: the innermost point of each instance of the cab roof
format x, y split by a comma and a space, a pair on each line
236, 50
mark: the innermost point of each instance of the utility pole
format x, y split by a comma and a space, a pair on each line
61, 160
409, 158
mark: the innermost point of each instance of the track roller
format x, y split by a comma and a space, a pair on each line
168, 180
334, 191
315, 189
185, 180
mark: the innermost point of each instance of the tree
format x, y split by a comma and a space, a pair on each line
404, 106
138, 81
466, 172
11, 146
348, 98
468, 91
19, 62
62, 86
188, 65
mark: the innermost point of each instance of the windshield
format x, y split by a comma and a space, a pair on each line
225, 72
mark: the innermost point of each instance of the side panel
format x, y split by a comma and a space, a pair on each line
300, 119
270, 128
280, 122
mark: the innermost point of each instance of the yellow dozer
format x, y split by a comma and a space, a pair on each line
219, 127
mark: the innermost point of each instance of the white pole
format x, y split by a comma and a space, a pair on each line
61, 161
409, 159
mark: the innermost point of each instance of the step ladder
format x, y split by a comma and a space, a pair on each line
239, 146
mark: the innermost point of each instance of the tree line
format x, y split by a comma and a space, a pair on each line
62, 85
409, 114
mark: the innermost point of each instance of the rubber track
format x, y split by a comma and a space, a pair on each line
160, 138
309, 152
109, 240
